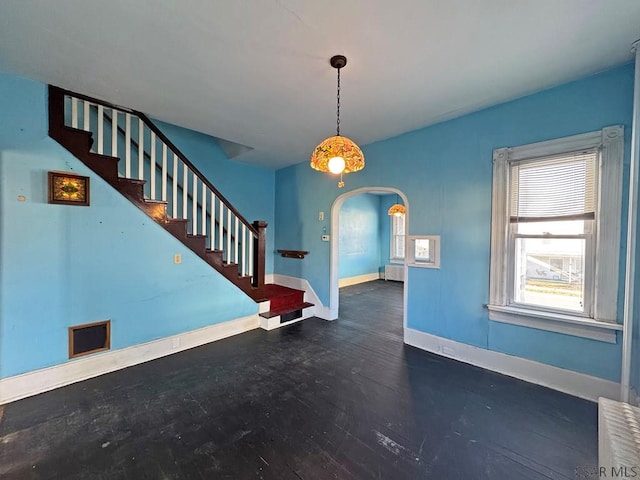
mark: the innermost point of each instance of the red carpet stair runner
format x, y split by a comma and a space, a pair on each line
285, 302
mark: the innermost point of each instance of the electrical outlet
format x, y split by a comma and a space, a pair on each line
176, 343
321, 216
177, 258
325, 238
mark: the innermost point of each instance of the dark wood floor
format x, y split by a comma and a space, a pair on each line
316, 400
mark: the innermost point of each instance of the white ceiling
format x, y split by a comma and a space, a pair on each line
256, 72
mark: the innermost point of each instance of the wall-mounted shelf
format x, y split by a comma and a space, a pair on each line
293, 253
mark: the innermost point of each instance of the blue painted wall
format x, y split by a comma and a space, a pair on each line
359, 244
66, 265
445, 171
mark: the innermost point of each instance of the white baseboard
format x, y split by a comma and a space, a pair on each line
39, 381
367, 277
567, 381
318, 310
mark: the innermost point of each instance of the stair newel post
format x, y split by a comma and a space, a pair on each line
259, 244
56, 109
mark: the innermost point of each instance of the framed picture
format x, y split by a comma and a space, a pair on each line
68, 189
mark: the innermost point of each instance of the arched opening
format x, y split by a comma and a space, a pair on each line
334, 299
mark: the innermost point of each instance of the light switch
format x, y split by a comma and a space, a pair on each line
321, 216
325, 238
177, 258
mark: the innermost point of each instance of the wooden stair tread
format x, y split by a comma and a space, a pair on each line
281, 311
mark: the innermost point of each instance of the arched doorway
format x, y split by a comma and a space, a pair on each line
334, 291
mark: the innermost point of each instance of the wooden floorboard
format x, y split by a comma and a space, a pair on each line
314, 400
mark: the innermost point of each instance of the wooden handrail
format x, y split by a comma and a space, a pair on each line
175, 150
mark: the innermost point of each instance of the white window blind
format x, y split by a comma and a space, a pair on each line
554, 188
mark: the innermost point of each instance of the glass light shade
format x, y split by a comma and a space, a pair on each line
397, 210
337, 146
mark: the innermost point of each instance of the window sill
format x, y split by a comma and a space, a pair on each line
396, 261
423, 265
555, 322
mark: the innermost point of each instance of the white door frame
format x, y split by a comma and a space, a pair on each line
334, 293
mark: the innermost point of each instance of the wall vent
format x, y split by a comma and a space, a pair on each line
89, 338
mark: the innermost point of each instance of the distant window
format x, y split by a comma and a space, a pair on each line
424, 251
397, 237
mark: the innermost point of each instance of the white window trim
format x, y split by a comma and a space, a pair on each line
392, 259
610, 141
410, 250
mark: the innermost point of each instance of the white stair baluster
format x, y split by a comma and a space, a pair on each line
194, 205
228, 235
74, 112
235, 253
220, 226
250, 264
174, 196
100, 129
164, 172
204, 210
114, 133
127, 145
212, 223
185, 190
152, 163
244, 249
140, 149
85, 115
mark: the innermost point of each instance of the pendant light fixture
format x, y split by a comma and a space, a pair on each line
337, 154
397, 209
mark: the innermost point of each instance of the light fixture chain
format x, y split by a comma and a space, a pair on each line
338, 110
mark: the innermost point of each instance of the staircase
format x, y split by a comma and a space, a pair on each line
157, 178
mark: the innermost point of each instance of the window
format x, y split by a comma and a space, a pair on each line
424, 251
556, 234
550, 231
397, 237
